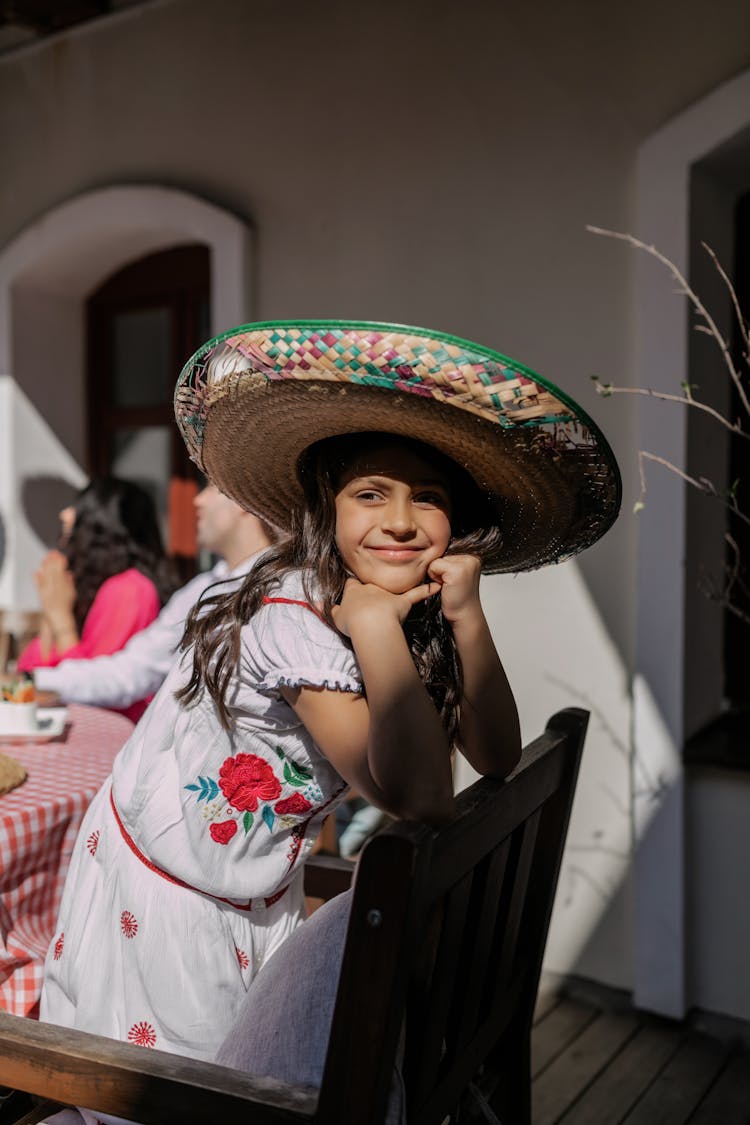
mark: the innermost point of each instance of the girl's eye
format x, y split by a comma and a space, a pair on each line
431, 499
369, 495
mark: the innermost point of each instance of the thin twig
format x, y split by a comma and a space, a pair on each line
734, 569
732, 295
685, 400
724, 596
692, 297
735, 610
702, 484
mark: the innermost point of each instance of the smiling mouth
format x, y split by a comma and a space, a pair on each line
397, 552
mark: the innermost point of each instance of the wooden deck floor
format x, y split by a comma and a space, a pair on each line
602, 1067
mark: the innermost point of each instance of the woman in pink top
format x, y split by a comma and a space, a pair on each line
108, 581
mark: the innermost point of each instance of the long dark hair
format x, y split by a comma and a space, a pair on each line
115, 529
213, 626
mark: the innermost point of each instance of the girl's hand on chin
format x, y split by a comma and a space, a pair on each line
361, 601
458, 576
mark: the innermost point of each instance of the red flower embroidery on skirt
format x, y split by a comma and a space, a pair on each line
142, 1034
59, 947
246, 779
128, 924
93, 842
243, 958
294, 804
222, 833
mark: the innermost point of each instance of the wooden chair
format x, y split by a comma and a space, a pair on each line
439, 976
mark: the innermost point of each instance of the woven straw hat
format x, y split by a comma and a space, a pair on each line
249, 402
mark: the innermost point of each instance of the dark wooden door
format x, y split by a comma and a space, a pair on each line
143, 323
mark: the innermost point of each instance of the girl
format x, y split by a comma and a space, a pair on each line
357, 653
108, 581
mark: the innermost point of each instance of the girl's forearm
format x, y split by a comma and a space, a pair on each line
407, 749
489, 730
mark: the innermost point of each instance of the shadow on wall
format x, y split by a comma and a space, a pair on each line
42, 499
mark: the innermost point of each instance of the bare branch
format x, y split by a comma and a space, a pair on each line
742, 323
735, 610
724, 596
685, 400
732, 592
702, 484
692, 297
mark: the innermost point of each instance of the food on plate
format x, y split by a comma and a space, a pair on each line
18, 705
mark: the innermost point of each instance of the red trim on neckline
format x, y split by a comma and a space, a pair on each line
292, 601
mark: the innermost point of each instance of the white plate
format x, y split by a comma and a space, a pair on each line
50, 724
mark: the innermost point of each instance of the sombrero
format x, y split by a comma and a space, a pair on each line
250, 401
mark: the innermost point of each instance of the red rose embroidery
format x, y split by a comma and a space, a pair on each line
93, 842
294, 804
142, 1034
59, 947
222, 833
243, 958
128, 924
246, 779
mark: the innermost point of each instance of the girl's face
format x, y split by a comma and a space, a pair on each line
393, 513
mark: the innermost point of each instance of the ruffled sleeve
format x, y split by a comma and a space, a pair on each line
288, 645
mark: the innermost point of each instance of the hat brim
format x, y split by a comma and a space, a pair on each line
551, 480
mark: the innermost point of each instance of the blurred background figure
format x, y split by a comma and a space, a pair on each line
137, 670
108, 580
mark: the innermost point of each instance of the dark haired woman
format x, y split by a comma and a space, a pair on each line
108, 581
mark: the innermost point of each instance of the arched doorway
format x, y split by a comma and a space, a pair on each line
46, 275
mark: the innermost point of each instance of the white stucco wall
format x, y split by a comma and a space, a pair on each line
408, 162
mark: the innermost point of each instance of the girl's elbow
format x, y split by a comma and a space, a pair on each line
435, 810
503, 769
444, 814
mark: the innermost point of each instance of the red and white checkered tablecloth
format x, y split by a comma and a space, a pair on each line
39, 822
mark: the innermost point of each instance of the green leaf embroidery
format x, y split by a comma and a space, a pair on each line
296, 775
247, 821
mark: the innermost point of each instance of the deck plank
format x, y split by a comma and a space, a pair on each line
728, 1101
682, 1084
567, 1076
556, 1030
617, 1089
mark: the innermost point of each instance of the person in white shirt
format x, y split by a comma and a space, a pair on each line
137, 670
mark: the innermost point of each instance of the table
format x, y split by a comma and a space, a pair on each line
39, 822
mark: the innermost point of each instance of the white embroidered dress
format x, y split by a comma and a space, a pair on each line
186, 875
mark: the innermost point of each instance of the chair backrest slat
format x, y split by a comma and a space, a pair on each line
508, 924
369, 1003
429, 1013
486, 891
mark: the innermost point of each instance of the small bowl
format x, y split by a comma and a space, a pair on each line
18, 718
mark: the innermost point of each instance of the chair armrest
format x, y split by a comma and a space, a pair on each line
149, 1086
